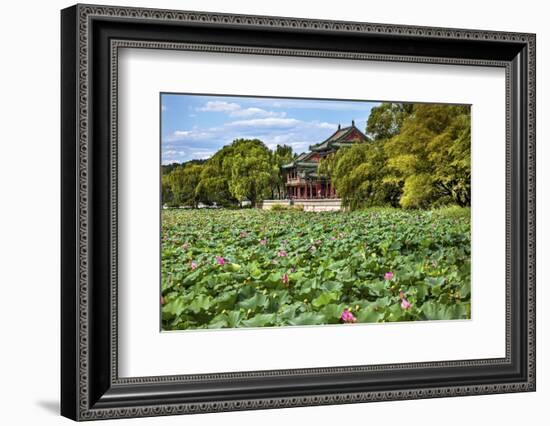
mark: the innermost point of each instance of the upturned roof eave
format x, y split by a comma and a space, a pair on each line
329, 142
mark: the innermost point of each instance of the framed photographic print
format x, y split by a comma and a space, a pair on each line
263, 212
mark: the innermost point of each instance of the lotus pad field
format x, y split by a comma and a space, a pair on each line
255, 268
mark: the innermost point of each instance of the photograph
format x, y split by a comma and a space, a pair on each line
281, 212
268, 207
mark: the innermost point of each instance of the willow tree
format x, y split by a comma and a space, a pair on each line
183, 183
249, 170
281, 155
213, 186
358, 174
430, 156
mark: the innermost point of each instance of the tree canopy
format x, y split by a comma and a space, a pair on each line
419, 157
245, 170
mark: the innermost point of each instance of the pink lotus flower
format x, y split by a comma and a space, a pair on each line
348, 317
285, 278
185, 246
263, 241
282, 253
332, 238
388, 276
405, 304
220, 260
194, 266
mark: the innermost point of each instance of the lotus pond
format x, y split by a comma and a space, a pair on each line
255, 268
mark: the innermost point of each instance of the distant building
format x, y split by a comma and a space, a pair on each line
302, 178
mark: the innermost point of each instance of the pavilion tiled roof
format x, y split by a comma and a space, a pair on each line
337, 138
302, 161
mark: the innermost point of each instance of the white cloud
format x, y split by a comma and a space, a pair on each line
265, 122
166, 161
172, 153
236, 110
191, 135
202, 155
330, 105
255, 112
220, 106
325, 125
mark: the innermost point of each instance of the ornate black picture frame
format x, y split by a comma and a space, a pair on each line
91, 37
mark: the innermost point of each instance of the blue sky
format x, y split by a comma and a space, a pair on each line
196, 126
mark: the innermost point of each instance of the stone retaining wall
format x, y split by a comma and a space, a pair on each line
320, 205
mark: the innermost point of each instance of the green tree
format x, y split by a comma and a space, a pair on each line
430, 156
358, 175
282, 155
385, 121
248, 169
167, 195
183, 183
213, 184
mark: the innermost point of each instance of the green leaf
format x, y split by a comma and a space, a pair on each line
331, 286
174, 307
234, 318
325, 299
219, 321
255, 302
333, 312
260, 320
377, 288
233, 267
225, 300
200, 303
369, 315
308, 318
435, 281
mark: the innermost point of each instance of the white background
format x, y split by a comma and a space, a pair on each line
29, 229
141, 345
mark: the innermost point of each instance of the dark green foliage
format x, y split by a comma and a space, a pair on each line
245, 170
419, 158
183, 182
248, 169
431, 156
282, 155
385, 121
167, 168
